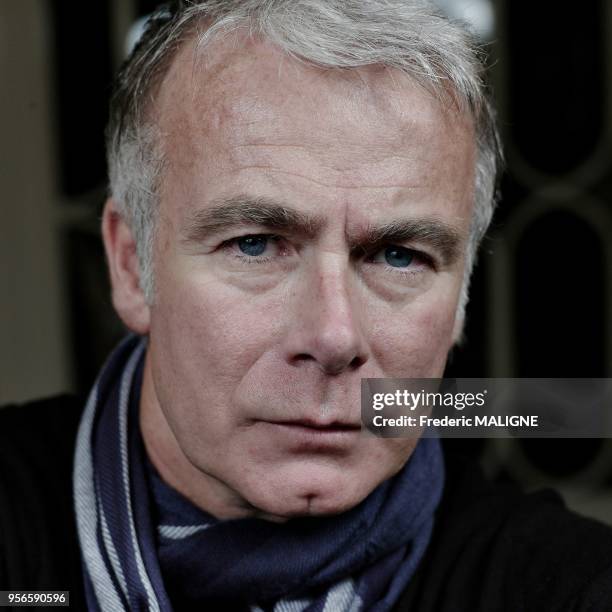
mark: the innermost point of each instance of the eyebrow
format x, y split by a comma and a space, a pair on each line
268, 213
440, 236
243, 210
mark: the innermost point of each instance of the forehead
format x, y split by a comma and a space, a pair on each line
243, 102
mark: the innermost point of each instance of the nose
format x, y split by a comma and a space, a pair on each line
326, 327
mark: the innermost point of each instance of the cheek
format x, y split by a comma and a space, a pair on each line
203, 342
387, 454
414, 343
204, 321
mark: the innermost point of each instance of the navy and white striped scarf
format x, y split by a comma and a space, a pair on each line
359, 560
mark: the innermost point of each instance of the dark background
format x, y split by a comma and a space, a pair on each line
540, 302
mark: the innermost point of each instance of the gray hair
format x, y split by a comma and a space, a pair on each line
407, 35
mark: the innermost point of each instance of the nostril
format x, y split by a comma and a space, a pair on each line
303, 357
330, 366
340, 366
356, 362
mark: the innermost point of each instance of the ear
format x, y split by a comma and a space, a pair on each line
128, 298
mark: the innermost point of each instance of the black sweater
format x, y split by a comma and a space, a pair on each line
493, 548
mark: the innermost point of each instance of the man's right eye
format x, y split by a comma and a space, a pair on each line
258, 248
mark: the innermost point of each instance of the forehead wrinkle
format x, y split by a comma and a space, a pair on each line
348, 186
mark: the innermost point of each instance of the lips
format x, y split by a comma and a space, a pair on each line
306, 437
331, 427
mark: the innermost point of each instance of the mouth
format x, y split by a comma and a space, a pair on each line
316, 426
310, 436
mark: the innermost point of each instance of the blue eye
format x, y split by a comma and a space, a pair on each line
398, 257
253, 245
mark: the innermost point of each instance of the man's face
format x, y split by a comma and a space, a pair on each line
312, 233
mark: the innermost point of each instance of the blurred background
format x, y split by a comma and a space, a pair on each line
541, 298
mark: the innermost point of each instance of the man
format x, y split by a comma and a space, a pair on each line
298, 189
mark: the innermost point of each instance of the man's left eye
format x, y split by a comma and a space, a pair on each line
395, 256
253, 245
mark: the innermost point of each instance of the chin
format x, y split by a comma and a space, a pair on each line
314, 492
